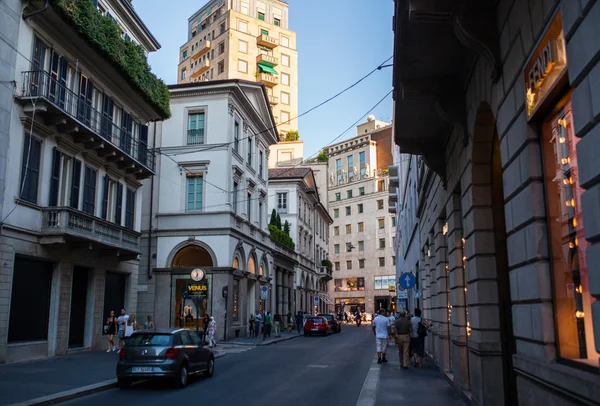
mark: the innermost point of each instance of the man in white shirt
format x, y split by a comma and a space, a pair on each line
381, 329
122, 324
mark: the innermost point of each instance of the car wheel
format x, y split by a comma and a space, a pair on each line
182, 378
306, 334
210, 371
124, 383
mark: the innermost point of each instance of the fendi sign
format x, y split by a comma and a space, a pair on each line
546, 65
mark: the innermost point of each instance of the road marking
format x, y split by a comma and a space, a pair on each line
368, 393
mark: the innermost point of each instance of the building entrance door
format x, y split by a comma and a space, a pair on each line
114, 293
381, 302
77, 318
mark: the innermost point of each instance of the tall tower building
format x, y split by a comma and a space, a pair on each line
245, 39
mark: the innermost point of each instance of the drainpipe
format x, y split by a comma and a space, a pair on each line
151, 209
26, 16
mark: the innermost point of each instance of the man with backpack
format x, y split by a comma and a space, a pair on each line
417, 337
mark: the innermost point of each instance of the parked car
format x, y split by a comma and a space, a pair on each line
336, 326
173, 354
317, 325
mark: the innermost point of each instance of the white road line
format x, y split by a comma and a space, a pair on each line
368, 393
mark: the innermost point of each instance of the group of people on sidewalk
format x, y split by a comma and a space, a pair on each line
266, 323
408, 333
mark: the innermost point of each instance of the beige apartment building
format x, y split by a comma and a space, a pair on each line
361, 246
245, 39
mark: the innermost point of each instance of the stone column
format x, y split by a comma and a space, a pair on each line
284, 292
442, 344
65, 269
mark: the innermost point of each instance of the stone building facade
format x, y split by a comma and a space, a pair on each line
498, 103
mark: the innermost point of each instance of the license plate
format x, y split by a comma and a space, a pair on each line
142, 369
315, 329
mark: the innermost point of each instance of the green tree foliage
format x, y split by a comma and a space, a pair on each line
281, 237
273, 221
327, 263
278, 224
323, 157
102, 33
292, 135
286, 228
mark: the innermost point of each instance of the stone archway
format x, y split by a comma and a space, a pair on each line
491, 342
196, 253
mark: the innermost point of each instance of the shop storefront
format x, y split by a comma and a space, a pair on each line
349, 304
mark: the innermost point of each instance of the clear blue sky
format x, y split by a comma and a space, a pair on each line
338, 42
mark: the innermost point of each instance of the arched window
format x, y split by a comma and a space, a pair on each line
236, 263
192, 255
251, 265
262, 271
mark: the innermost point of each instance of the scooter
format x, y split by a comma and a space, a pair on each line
358, 321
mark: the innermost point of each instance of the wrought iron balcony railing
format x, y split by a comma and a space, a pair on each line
195, 137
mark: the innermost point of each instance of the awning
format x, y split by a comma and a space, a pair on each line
267, 69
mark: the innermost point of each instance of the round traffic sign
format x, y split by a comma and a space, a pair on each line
407, 280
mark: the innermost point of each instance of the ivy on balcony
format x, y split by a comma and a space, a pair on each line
102, 33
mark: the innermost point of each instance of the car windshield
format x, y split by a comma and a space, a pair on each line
149, 340
316, 319
328, 317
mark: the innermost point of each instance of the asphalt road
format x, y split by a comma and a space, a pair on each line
303, 371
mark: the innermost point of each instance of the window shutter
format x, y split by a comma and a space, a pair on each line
75, 182
143, 145
55, 179
119, 203
105, 197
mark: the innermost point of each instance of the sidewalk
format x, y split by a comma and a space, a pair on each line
258, 341
52, 380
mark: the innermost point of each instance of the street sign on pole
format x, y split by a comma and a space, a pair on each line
403, 295
407, 280
264, 292
316, 300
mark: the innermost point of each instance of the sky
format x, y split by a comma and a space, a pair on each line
338, 42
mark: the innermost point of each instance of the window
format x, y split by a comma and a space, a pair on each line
338, 197
242, 26
348, 264
336, 213
222, 28
264, 32
381, 223
221, 50
363, 165
249, 205
361, 191
243, 46
249, 158
261, 16
360, 208
130, 209
183, 74
119, 204
212, 54
336, 248
89, 190
349, 284
361, 227
285, 60
277, 22
337, 266
184, 56
282, 202
285, 79
381, 186
350, 167
242, 66
349, 194
194, 193
220, 67
285, 117
348, 211
260, 213
236, 137
361, 245
348, 229
245, 8
379, 204
30, 169
285, 41
260, 163
394, 221
195, 128
336, 230
381, 243
381, 261
384, 282
394, 261
235, 197
108, 198
361, 263
285, 98
349, 247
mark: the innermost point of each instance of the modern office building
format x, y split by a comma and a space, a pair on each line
362, 235
250, 40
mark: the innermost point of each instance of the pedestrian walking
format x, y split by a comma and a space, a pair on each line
205, 327
299, 321
417, 337
251, 326
381, 330
212, 332
392, 320
267, 327
290, 322
122, 323
111, 331
149, 323
277, 319
258, 318
131, 326
403, 328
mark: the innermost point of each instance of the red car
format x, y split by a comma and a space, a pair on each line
336, 326
317, 325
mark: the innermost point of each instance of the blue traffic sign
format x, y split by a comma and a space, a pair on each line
407, 280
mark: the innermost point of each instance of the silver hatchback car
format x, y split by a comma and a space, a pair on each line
164, 354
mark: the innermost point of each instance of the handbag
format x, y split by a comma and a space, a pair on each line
105, 328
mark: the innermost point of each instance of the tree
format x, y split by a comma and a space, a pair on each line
273, 221
278, 224
292, 135
286, 228
323, 157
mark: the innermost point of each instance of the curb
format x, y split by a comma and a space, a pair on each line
261, 344
81, 392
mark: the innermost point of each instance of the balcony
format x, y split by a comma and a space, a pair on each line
201, 50
273, 100
325, 273
57, 105
267, 60
201, 68
266, 41
392, 209
64, 225
268, 79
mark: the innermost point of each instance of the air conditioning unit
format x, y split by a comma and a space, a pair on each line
394, 174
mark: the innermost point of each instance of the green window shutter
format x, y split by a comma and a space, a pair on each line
261, 16
264, 32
